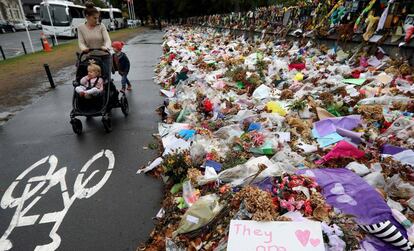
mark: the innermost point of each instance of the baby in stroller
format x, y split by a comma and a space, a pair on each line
95, 94
91, 84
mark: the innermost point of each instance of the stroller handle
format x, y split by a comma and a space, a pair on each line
90, 50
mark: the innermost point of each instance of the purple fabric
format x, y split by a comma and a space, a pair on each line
365, 203
329, 125
357, 198
354, 136
265, 185
378, 245
391, 150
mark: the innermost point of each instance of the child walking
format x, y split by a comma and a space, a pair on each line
121, 64
91, 84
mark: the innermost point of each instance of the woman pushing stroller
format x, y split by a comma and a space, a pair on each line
93, 35
94, 62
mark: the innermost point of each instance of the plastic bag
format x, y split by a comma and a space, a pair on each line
358, 168
410, 203
290, 159
197, 152
183, 113
399, 127
274, 107
383, 100
243, 174
189, 193
307, 148
375, 179
396, 187
273, 120
228, 132
341, 56
244, 114
251, 61
298, 77
261, 92
267, 148
210, 175
297, 66
151, 166
383, 78
199, 214
171, 246
323, 114
186, 133
394, 205
219, 85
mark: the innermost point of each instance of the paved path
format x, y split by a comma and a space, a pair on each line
12, 42
72, 206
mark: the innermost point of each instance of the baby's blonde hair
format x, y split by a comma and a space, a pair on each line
95, 68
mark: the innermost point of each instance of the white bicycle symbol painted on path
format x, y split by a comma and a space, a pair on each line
40, 185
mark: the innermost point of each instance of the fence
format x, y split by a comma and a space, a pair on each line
392, 48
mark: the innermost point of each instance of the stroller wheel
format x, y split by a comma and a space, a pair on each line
124, 105
107, 123
76, 126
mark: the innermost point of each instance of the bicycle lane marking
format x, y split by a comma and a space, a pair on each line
50, 179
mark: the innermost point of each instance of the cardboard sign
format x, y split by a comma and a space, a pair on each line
275, 236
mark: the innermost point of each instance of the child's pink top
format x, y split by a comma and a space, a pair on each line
99, 84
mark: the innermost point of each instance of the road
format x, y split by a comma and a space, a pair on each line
82, 193
12, 46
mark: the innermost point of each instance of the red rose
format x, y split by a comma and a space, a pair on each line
308, 208
208, 106
171, 57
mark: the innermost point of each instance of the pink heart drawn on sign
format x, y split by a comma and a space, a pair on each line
303, 236
315, 242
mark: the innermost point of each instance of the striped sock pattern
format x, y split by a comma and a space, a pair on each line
389, 233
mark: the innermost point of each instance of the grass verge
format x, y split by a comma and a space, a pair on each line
22, 73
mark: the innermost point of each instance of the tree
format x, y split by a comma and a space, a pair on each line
97, 3
169, 9
117, 3
141, 10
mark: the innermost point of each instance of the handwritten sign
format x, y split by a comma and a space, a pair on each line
275, 236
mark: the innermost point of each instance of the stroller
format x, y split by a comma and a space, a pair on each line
100, 105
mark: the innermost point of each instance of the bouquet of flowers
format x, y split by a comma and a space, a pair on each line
251, 139
296, 192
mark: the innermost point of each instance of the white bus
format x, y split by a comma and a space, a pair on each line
112, 18
67, 16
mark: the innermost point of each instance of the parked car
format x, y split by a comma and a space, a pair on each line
6, 26
21, 25
38, 24
132, 22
